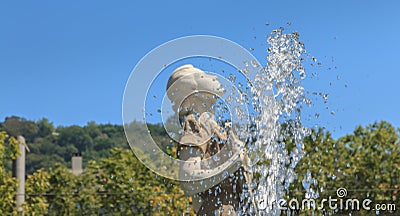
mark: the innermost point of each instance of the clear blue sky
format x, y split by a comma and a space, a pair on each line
69, 61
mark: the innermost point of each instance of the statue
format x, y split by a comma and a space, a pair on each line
227, 192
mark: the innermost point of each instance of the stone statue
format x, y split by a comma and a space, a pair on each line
194, 94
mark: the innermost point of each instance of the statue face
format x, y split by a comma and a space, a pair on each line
198, 103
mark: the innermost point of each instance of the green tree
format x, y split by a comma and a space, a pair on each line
16, 126
62, 191
372, 158
127, 187
36, 187
76, 136
366, 163
45, 127
8, 184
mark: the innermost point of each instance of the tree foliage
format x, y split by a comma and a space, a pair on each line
50, 145
8, 184
366, 163
114, 182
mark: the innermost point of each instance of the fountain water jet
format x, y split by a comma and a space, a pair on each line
277, 115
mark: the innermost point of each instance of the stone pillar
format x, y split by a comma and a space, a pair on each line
19, 173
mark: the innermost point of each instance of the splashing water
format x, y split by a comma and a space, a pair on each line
277, 116
273, 136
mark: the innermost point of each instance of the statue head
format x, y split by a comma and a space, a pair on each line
192, 91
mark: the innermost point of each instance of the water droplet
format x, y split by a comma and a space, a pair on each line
232, 78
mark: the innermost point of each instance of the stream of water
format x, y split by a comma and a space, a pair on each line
278, 114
